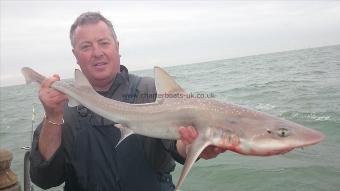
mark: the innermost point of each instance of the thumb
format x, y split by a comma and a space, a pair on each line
49, 81
56, 76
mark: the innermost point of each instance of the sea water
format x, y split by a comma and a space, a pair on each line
301, 85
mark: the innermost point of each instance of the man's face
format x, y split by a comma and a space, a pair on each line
97, 53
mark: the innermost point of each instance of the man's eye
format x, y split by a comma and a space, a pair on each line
104, 43
85, 47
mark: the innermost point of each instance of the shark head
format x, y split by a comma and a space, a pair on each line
241, 129
265, 135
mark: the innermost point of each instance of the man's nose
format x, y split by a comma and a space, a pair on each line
97, 51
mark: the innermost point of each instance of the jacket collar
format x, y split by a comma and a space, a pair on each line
121, 78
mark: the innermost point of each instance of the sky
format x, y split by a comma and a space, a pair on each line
162, 33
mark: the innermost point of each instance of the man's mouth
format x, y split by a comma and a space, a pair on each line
99, 64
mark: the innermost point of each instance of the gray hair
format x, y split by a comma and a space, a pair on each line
90, 18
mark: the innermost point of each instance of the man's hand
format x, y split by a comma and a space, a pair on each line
52, 100
188, 135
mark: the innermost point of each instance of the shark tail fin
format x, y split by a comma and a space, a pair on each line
124, 132
195, 149
32, 76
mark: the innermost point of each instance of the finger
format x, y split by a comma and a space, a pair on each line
59, 99
47, 83
181, 131
188, 134
185, 142
52, 99
49, 95
55, 93
192, 132
183, 135
56, 76
192, 135
185, 132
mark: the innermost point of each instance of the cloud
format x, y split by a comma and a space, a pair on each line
35, 33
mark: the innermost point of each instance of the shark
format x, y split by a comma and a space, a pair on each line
225, 125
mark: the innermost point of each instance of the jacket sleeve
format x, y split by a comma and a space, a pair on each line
46, 174
170, 146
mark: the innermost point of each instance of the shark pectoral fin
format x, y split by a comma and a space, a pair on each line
124, 132
72, 102
195, 149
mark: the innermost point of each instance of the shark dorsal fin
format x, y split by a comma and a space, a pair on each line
165, 83
80, 80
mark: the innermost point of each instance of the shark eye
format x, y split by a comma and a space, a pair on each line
282, 132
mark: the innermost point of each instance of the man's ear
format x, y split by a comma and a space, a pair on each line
74, 54
117, 44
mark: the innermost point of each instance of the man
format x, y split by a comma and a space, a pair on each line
76, 146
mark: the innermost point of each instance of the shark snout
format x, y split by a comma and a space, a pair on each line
299, 138
309, 137
278, 141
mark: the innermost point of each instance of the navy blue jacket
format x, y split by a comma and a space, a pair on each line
87, 158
